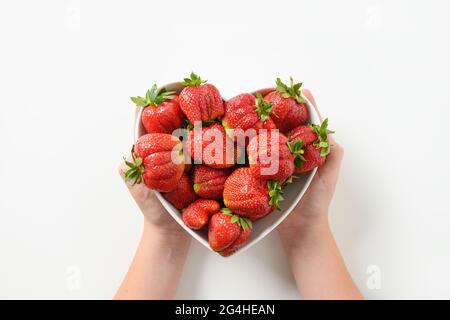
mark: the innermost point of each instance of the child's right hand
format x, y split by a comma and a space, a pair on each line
313, 207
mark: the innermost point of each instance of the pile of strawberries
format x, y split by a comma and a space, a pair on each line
224, 163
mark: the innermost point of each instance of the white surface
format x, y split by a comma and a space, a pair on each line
379, 69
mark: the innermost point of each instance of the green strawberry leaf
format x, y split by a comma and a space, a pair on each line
136, 168
322, 133
154, 97
208, 123
263, 108
193, 81
325, 151
288, 181
243, 222
163, 95
248, 223
139, 101
227, 211
297, 149
151, 93
298, 162
292, 91
275, 193
196, 187
189, 125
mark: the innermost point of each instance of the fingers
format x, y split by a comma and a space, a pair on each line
122, 169
144, 197
330, 170
135, 189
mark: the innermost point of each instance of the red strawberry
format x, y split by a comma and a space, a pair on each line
199, 101
311, 144
158, 160
270, 157
183, 195
228, 232
311, 159
304, 133
162, 113
203, 147
247, 112
197, 214
209, 182
250, 196
237, 244
289, 107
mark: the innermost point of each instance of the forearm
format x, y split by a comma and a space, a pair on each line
318, 267
157, 265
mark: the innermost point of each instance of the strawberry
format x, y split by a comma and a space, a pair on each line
237, 244
158, 160
247, 112
200, 101
304, 133
311, 159
270, 157
251, 196
162, 113
228, 232
202, 146
209, 182
197, 214
311, 143
289, 107
183, 195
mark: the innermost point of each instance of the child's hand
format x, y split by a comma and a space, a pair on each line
154, 213
162, 251
316, 263
313, 207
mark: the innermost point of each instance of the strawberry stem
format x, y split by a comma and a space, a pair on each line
296, 148
288, 181
153, 97
136, 168
243, 222
196, 187
322, 133
275, 193
292, 91
263, 108
193, 81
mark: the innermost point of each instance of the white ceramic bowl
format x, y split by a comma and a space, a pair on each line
292, 193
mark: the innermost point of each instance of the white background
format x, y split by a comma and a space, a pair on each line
379, 69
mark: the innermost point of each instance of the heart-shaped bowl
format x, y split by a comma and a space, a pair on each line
292, 192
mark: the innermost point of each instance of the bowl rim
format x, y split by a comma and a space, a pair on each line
175, 213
